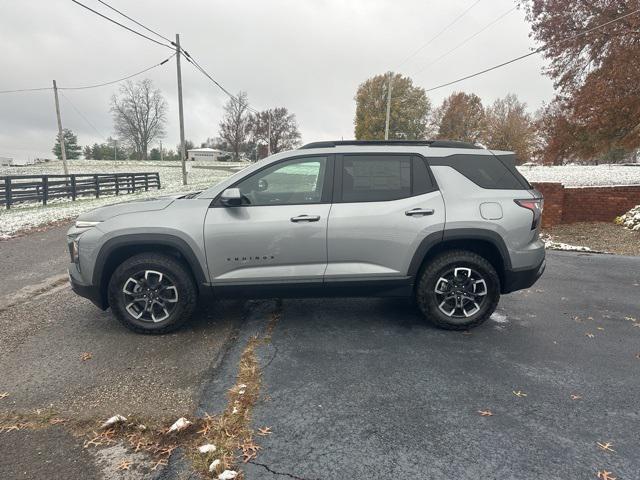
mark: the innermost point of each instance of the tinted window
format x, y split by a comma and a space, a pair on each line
375, 178
485, 171
420, 178
293, 182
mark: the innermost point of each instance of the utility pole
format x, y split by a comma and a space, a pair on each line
183, 154
60, 132
115, 150
161, 154
386, 123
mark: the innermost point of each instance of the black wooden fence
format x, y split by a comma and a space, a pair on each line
42, 188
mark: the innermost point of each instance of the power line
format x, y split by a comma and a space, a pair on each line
82, 116
428, 42
120, 79
493, 22
26, 90
538, 50
136, 22
84, 87
121, 25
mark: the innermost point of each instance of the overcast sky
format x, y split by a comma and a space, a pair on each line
307, 55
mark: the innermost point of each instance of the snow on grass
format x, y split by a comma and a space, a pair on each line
631, 219
30, 215
583, 175
551, 244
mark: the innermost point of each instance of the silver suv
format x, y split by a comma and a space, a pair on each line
448, 223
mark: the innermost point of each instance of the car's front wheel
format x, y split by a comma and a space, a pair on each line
152, 293
458, 290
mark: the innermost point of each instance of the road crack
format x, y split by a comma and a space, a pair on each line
274, 472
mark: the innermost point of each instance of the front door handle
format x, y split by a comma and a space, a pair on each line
305, 218
419, 212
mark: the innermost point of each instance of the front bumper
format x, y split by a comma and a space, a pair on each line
90, 292
521, 279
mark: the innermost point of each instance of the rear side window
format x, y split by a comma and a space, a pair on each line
375, 178
486, 171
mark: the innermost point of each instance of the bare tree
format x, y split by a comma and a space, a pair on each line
234, 125
284, 129
139, 115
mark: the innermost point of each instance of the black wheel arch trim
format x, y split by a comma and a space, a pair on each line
434, 239
150, 239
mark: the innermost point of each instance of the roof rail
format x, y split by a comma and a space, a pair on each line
425, 143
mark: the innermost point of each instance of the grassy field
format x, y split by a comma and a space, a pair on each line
31, 215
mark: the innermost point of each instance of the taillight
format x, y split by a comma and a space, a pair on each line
535, 205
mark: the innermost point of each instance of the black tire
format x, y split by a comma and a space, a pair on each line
429, 301
174, 273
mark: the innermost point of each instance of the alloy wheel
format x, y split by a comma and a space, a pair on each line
460, 292
150, 296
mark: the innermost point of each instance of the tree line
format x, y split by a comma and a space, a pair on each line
594, 116
139, 112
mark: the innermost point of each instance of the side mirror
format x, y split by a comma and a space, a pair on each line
231, 197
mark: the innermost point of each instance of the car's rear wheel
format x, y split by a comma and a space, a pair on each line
458, 290
152, 293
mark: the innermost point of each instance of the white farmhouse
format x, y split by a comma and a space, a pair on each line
210, 154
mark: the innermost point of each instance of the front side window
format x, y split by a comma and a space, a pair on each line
291, 182
376, 178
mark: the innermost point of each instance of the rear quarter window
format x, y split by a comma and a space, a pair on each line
486, 171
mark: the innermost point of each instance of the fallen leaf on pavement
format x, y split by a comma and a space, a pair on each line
86, 356
589, 334
214, 465
600, 328
124, 465
57, 421
638, 355
519, 393
485, 413
264, 431
575, 397
4, 395
208, 448
231, 474
113, 420
604, 475
606, 446
179, 425
631, 319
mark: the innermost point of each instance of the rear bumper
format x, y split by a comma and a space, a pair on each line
90, 292
520, 279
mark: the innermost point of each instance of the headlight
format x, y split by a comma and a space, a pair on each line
85, 224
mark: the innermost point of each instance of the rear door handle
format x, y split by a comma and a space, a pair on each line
419, 212
305, 218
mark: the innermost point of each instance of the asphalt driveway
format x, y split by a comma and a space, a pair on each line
352, 388
364, 389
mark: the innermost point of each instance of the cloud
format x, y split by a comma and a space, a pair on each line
308, 56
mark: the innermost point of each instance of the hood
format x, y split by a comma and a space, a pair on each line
104, 213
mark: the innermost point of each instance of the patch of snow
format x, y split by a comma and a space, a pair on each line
551, 244
499, 317
582, 175
631, 219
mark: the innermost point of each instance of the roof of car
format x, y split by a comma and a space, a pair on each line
393, 143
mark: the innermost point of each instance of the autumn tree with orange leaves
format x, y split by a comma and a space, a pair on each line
596, 74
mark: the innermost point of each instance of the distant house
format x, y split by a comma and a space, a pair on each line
12, 162
210, 154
